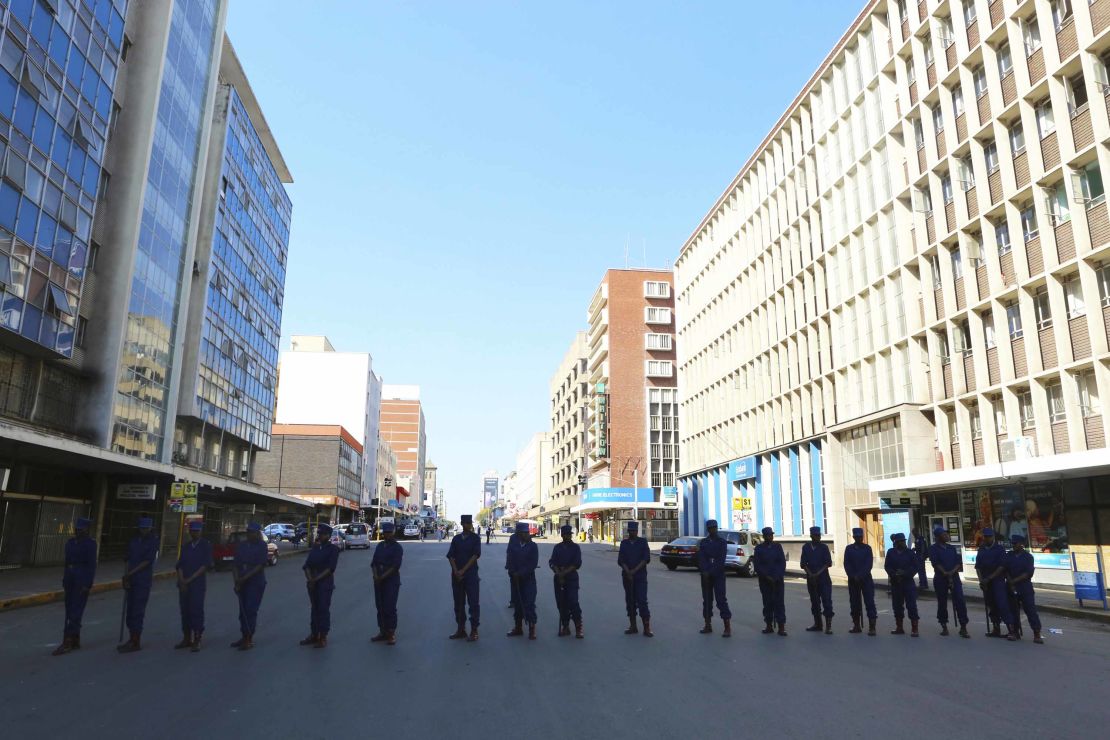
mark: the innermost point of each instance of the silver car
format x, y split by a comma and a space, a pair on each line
356, 534
741, 545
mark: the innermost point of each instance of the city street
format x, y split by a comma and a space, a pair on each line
611, 685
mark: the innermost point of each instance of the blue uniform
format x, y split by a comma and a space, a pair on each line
711, 562
195, 556
140, 549
1019, 564
921, 551
322, 557
816, 555
465, 546
858, 562
995, 590
944, 557
901, 566
249, 555
523, 559
77, 579
769, 562
634, 551
566, 590
512, 588
387, 555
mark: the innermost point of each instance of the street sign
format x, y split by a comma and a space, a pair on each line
136, 491
1088, 585
583, 480
670, 497
183, 497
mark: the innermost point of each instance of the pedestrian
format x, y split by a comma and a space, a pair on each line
489, 533
633, 557
816, 561
990, 564
946, 580
1019, 568
138, 577
386, 566
523, 559
192, 569
901, 566
712, 551
249, 571
77, 581
858, 562
440, 533
463, 554
565, 561
319, 572
508, 551
769, 562
921, 552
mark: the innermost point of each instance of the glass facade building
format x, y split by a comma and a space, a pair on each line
237, 367
59, 60
142, 390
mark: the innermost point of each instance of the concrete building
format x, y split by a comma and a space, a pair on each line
568, 436
532, 480
386, 471
318, 463
93, 354
893, 316
633, 446
350, 397
402, 425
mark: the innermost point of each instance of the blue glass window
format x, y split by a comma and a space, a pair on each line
27, 221
8, 88
32, 322
25, 110
21, 9
9, 206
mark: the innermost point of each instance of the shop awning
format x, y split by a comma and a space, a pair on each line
1030, 469
608, 506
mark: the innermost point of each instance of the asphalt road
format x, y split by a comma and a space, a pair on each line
608, 685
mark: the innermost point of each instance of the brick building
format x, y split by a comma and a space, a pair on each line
317, 463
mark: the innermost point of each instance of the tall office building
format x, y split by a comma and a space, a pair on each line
402, 425
531, 481
570, 398
121, 99
633, 446
892, 317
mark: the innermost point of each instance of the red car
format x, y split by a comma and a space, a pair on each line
224, 554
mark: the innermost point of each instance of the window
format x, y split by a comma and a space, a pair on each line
1029, 223
660, 368
938, 119
1046, 124
979, 80
988, 329
1073, 298
1005, 61
927, 49
1056, 203
947, 38
1031, 35
976, 421
1055, 396
1090, 188
654, 289
1002, 237
1061, 13
1013, 321
969, 12
934, 261
957, 265
957, 101
1087, 388
918, 133
1017, 138
1025, 407
942, 348
1041, 308
1077, 94
967, 174
654, 315
953, 428
946, 188
990, 156
1102, 272
659, 341
963, 337
903, 16
82, 330
998, 408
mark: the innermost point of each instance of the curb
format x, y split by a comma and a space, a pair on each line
49, 597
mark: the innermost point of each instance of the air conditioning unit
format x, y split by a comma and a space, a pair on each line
1018, 448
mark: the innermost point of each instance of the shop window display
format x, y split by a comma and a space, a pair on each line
1034, 510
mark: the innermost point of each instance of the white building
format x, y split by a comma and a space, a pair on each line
532, 477
317, 385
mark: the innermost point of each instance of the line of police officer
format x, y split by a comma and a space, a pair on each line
1005, 578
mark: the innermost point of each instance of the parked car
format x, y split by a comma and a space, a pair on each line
741, 546
337, 539
279, 532
223, 554
411, 531
680, 551
355, 534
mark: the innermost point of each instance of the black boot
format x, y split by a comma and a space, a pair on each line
708, 628
857, 626
943, 629
871, 627
828, 625
899, 628
769, 629
517, 630
816, 626
632, 628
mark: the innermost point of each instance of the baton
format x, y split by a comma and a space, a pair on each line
123, 616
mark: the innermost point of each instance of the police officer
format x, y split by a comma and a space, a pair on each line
319, 572
633, 558
565, 560
1019, 568
249, 571
463, 554
946, 579
77, 580
816, 561
524, 558
990, 564
901, 566
921, 552
769, 562
508, 552
138, 578
712, 551
192, 568
386, 565
858, 561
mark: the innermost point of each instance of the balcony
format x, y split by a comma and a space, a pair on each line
599, 352
598, 302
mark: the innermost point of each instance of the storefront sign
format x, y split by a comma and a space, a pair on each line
618, 496
1050, 560
670, 496
1088, 585
742, 469
183, 497
136, 491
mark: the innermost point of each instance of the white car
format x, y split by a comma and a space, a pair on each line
411, 530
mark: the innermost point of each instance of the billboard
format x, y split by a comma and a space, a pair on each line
490, 487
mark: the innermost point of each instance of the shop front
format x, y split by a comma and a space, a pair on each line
613, 508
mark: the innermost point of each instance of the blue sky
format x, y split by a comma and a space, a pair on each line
467, 170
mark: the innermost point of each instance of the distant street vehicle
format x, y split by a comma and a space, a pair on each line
338, 540
224, 553
355, 534
741, 546
279, 532
412, 530
680, 551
